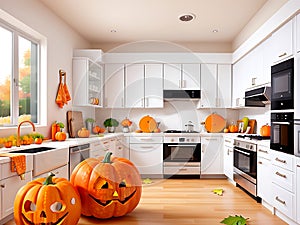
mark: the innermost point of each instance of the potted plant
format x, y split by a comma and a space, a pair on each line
90, 124
111, 124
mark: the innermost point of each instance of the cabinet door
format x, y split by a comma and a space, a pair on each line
264, 181
224, 86
211, 155
296, 87
282, 42
190, 76
298, 33
9, 188
134, 86
208, 85
228, 162
154, 86
114, 85
148, 158
172, 76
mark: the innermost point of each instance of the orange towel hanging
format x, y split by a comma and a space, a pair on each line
60, 97
67, 94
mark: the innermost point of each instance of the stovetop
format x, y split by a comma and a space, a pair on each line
179, 131
253, 137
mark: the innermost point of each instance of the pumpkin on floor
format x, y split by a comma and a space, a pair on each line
47, 201
108, 186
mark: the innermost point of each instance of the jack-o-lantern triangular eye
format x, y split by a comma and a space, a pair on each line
104, 186
122, 184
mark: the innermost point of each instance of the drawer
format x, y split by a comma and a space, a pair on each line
283, 160
264, 152
283, 178
5, 168
284, 201
228, 142
146, 139
174, 170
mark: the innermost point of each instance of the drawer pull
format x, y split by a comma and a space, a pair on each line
227, 141
279, 200
281, 175
280, 160
2, 185
260, 162
283, 54
264, 151
298, 165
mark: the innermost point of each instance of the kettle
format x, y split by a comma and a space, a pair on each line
189, 127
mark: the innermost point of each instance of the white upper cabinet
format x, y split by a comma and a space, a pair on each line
182, 76
190, 76
224, 86
172, 76
114, 85
87, 82
134, 86
298, 33
282, 42
208, 85
154, 86
239, 83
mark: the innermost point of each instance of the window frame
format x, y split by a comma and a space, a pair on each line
19, 29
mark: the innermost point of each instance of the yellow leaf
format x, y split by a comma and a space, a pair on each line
218, 191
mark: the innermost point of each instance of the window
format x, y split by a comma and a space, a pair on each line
19, 77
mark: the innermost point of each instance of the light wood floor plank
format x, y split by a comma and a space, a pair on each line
190, 202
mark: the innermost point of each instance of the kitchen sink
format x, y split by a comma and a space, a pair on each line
33, 150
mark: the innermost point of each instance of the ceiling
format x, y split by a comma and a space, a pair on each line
119, 21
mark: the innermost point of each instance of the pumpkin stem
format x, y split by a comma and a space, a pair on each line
49, 179
107, 157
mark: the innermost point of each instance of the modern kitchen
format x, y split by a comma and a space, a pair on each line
208, 116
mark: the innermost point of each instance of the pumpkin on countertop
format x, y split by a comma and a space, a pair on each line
265, 130
47, 201
108, 186
60, 136
148, 124
126, 122
83, 133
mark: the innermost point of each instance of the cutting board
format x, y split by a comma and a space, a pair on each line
75, 123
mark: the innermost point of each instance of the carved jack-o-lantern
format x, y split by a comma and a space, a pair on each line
47, 201
108, 187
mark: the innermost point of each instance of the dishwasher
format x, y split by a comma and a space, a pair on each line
77, 154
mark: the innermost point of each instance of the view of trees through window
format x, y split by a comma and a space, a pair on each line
18, 90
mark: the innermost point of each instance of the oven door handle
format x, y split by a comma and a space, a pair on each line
245, 153
282, 123
181, 145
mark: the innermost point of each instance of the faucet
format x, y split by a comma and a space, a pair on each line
19, 128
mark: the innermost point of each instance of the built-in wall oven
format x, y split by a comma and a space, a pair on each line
245, 165
181, 155
282, 132
282, 85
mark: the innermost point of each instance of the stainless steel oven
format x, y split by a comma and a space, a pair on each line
181, 155
282, 132
282, 85
77, 154
245, 165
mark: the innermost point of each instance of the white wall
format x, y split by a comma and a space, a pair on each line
61, 41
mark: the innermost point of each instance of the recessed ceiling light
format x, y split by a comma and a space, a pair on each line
215, 30
187, 17
113, 31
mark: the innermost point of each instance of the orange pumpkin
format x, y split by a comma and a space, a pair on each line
83, 133
47, 201
97, 130
60, 136
215, 123
265, 130
108, 187
233, 128
126, 122
147, 124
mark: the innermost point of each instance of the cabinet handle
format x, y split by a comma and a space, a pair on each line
282, 55
279, 200
146, 147
298, 165
183, 84
281, 175
2, 185
280, 160
182, 169
179, 83
260, 162
227, 141
264, 151
211, 139
146, 139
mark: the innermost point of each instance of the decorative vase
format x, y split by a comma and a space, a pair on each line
125, 129
111, 129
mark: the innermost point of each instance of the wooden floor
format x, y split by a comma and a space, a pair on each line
189, 202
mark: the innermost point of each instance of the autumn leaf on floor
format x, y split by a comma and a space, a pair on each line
234, 220
147, 181
218, 191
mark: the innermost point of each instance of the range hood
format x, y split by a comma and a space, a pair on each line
258, 96
182, 94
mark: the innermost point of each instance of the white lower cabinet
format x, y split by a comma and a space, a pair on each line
8, 190
283, 184
228, 157
212, 155
298, 189
264, 169
147, 155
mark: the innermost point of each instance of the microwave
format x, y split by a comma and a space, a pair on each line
282, 85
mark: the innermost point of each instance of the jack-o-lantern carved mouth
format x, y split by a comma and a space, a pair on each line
109, 201
58, 222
